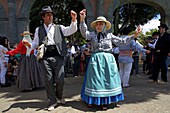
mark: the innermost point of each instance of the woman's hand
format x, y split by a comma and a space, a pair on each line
138, 30
4, 51
82, 15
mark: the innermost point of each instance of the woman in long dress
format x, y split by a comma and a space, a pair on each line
29, 70
102, 84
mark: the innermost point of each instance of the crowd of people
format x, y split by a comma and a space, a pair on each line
105, 60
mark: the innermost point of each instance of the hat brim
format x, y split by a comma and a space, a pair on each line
166, 28
108, 24
41, 13
26, 34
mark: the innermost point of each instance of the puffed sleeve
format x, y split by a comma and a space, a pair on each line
16, 50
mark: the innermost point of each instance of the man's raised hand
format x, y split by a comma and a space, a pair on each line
73, 15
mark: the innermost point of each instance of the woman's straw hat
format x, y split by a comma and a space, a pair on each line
26, 33
101, 19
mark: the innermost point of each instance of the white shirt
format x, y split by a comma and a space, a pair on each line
28, 38
69, 30
73, 50
153, 45
2, 57
139, 43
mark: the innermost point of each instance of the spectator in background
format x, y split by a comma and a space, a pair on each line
86, 57
4, 61
162, 51
77, 56
151, 45
68, 61
86, 53
135, 56
148, 60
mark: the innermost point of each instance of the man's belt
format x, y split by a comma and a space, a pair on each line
51, 51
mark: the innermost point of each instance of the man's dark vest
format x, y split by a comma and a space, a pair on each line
58, 39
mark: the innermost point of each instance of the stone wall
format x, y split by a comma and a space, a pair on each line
14, 14
14, 18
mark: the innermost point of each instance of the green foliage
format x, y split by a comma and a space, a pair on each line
62, 10
35, 19
132, 15
149, 33
142, 37
78, 37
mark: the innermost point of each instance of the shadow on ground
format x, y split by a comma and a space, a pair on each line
139, 91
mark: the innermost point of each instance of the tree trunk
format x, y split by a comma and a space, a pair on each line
116, 22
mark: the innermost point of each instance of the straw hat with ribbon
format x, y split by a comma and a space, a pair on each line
26, 33
101, 19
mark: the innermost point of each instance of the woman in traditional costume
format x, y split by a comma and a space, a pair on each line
102, 84
29, 70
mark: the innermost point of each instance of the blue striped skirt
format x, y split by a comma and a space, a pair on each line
102, 83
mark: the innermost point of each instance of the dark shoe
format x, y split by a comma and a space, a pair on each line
149, 73
6, 85
104, 107
90, 105
62, 101
27, 89
151, 77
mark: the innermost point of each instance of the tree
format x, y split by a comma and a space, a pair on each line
151, 31
132, 15
61, 9
35, 19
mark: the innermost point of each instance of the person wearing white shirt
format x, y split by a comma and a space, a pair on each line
55, 51
155, 37
4, 58
149, 59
